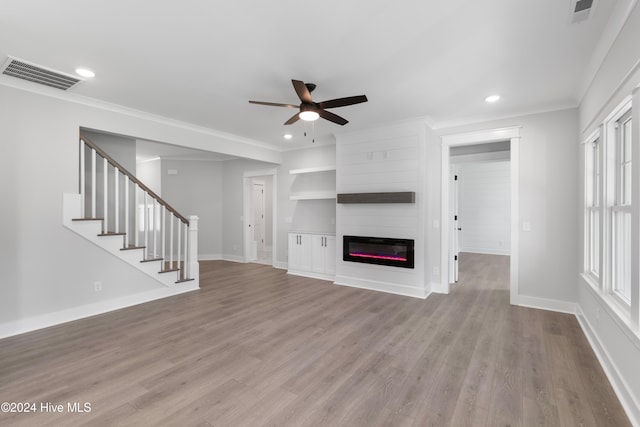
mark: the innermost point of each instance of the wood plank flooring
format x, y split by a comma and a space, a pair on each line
257, 347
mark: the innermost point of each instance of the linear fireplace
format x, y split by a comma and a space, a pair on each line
378, 250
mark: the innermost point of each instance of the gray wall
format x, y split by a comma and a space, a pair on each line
150, 173
548, 192
617, 344
47, 269
197, 190
233, 204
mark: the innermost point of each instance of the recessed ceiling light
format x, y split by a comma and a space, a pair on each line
288, 136
492, 98
84, 72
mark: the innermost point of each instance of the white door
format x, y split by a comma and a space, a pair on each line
454, 243
257, 219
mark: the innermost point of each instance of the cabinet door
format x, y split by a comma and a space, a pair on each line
317, 254
294, 251
305, 252
330, 255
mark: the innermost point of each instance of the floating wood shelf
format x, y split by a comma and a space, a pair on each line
394, 197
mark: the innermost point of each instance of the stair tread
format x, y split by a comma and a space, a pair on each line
131, 247
171, 270
112, 233
87, 219
184, 280
152, 259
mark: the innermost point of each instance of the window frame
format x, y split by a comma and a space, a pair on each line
593, 206
615, 206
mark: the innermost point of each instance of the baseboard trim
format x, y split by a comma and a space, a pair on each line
319, 276
544, 304
506, 252
616, 380
391, 288
69, 315
209, 257
280, 265
232, 258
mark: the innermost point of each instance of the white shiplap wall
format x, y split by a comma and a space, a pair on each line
484, 207
382, 160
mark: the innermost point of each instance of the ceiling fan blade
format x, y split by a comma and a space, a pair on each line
341, 102
332, 117
274, 104
302, 91
293, 119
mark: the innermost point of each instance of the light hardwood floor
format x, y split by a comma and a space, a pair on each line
257, 347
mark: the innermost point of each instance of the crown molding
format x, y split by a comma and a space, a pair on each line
116, 108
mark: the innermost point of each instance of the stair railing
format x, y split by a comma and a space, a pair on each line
108, 192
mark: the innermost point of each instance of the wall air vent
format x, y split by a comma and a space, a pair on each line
35, 73
581, 10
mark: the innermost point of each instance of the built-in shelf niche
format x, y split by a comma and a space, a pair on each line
315, 183
390, 197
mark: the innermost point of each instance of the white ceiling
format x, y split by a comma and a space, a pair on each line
200, 61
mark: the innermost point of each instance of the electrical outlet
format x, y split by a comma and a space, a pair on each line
97, 286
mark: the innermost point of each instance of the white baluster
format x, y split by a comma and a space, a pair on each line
83, 190
179, 249
126, 211
116, 195
136, 225
105, 198
171, 241
163, 236
146, 224
154, 229
93, 183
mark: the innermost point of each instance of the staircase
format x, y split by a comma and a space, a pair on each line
117, 212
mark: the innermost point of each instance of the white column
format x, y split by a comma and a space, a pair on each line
194, 268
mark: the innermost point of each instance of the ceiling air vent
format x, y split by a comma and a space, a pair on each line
35, 73
581, 10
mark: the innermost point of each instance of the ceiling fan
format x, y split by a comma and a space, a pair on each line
309, 110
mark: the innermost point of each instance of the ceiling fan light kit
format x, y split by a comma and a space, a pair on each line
309, 110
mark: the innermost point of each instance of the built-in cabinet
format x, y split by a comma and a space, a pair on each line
323, 254
299, 252
312, 255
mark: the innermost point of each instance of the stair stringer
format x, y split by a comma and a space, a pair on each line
72, 209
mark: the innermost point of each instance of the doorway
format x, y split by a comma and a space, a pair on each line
509, 136
260, 248
260, 216
479, 201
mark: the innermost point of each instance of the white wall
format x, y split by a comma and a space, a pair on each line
548, 168
47, 269
196, 189
149, 173
617, 346
484, 206
233, 205
304, 215
387, 159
